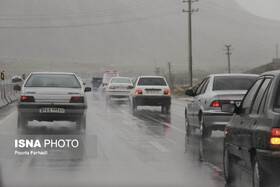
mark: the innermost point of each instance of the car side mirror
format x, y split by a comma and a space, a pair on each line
130, 87
84, 83
230, 108
189, 93
17, 88
87, 89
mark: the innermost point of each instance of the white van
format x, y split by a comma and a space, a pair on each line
106, 79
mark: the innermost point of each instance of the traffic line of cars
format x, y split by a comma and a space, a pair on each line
147, 91
58, 96
250, 119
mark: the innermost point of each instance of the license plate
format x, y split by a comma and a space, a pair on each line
152, 92
52, 110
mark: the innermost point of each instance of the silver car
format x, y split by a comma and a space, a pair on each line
203, 110
119, 87
48, 96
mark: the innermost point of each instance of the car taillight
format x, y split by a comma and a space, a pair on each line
275, 136
138, 92
112, 87
219, 103
77, 100
167, 92
27, 99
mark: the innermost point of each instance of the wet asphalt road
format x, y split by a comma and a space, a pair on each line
119, 148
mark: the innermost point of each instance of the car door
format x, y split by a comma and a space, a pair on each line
197, 100
190, 103
252, 122
236, 129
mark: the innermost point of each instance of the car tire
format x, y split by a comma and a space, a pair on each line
134, 106
229, 174
81, 124
167, 109
259, 177
22, 122
189, 129
204, 131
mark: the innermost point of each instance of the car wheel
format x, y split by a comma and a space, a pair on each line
81, 123
189, 128
134, 106
167, 109
260, 178
228, 166
204, 131
22, 122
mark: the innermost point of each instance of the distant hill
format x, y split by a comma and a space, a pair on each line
274, 65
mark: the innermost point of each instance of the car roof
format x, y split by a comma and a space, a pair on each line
152, 76
121, 78
55, 73
233, 74
274, 73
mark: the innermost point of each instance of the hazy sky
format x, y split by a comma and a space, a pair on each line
140, 32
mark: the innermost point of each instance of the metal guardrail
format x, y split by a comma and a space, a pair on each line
7, 94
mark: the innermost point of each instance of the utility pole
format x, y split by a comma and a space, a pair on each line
190, 11
170, 74
157, 70
228, 53
277, 50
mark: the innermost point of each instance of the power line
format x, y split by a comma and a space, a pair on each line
88, 24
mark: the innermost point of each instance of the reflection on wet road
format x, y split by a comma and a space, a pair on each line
119, 148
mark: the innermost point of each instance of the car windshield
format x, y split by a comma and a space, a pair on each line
233, 82
121, 80
149, 81
53, 80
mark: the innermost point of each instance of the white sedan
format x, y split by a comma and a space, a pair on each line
119, 87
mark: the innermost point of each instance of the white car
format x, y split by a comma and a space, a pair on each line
151, 91
49, 96
119, 87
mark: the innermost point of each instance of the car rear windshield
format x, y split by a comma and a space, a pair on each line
233, 82
53, 80
151, 81
120, 80
107, 77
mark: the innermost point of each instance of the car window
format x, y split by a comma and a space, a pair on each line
199, 88
276, 105
205, 86
247, 102
261, 109
260, 96
233, 82
53, 80
151, 81
120, 80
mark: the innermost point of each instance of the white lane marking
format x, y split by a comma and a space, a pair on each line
175, 128
8, 116
159, 147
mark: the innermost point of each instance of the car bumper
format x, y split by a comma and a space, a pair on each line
118, 94
32, 112
216, 120
269, 161
152, 100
